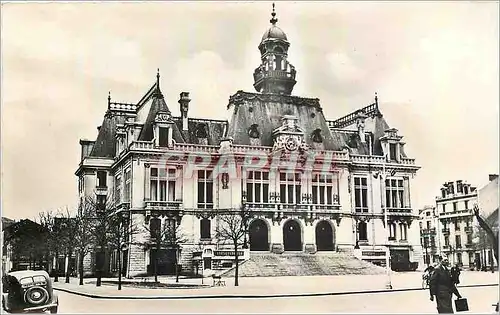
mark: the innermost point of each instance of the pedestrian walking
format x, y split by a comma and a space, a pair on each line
455, 274
442, 287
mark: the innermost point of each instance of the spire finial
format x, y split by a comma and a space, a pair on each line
109, 97
376, 98
158, 75
274, 19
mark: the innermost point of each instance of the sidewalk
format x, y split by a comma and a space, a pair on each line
268, 286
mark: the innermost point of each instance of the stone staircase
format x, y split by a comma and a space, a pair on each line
301, 264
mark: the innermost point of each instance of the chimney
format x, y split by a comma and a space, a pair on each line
184, 106
493, 177
360, 123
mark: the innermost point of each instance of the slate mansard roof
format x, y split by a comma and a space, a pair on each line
262, 109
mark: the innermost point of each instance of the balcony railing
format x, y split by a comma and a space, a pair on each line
469, 245
101, 190
163, 205
469, 229
264, 206
400, 211
445, 230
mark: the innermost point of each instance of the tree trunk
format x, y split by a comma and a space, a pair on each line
237, 264
68, 269
80, 267
56, 277
119, 268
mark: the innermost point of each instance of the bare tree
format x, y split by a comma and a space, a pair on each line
54, 240
232, 229
84, 232
168, 235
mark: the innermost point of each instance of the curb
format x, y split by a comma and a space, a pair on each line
248, 296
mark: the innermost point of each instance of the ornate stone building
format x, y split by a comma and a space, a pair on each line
428, 224
307, 183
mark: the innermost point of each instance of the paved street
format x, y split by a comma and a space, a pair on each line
480, 300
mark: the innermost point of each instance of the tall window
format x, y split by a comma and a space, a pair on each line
80, 184
457, 225
362, 231
205, 229
127, 185
325, 189
162, 184
163, 137
205, 189
459, 258
455, 206
101, 179
360, 194
466, 204
446, 240
101, 203
392, 231
444, 207
393, 151
403, 229
257, 186
118, 188
394, 193
428, 225
433, 241
458, 241
290, 188
469, 238
154, 228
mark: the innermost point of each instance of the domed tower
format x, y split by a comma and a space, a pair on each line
275, 74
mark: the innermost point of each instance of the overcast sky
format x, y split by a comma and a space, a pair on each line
434, 66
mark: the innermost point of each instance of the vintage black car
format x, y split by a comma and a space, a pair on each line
28, 291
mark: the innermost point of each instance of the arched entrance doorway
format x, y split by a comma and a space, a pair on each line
292, 236
258, 235
324, 236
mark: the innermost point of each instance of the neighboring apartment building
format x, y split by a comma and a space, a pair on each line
456, 229
309, 184
428, 225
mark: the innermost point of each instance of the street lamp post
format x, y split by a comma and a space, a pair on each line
383, 177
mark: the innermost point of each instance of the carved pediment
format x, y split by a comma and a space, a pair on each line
163, 117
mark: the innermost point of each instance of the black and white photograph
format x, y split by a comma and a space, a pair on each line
250, 157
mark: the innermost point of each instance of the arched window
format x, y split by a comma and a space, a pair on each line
205, 229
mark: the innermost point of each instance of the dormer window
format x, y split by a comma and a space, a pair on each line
201, 134
316, 136
163, 136
393, 151
253, 131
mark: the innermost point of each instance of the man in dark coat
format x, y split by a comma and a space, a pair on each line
442, 287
